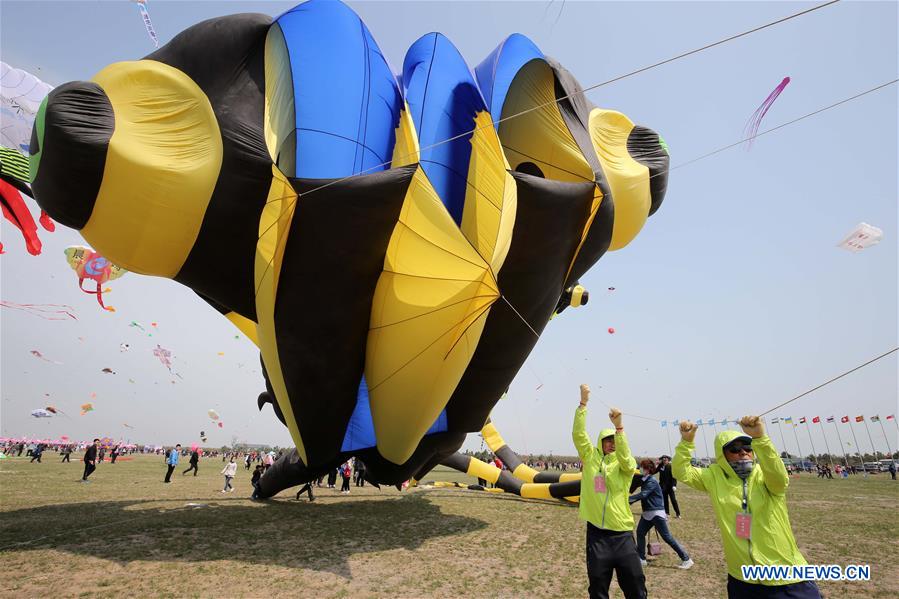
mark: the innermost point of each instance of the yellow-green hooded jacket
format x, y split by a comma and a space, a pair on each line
609, 510
771, 538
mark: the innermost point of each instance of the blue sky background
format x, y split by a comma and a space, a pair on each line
733, 299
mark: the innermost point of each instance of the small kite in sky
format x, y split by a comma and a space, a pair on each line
611, 330
213, 414
148, 24
755, 121
89, 264
123, 347
861, 237
45, 311
164, 355
40, 356
41, 414
108, 371
138, 325
86, 407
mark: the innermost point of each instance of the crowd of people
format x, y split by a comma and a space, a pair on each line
746, 485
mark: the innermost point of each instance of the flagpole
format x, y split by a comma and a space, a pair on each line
857, 446
705, 444
798, 446
871, 439
843, 447
826, 444
668, 434
782, 440
808, 429
883, 430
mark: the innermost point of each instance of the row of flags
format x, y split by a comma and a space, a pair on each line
777, 420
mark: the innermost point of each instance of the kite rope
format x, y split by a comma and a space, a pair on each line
836, 378
562, 98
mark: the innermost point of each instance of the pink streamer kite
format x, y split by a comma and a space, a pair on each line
755, 121
45, 311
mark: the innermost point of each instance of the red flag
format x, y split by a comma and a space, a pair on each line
859, 418
816, 419
802, 420
844, 419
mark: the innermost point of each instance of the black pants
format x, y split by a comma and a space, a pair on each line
168, 475
88, 470
36, 456
669, 492
193, 467
609, 551
346, 484
308, 489
332, 478
737, 589
65, 457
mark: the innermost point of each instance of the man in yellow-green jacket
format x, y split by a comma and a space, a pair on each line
608, 469
747, 485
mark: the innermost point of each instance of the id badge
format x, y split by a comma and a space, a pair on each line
599, 483
744, 525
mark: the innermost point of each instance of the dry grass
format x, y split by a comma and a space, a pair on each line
129, 534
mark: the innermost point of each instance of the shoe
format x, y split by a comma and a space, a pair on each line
644, 563
678, 516
231, 490
223, 491
686, 565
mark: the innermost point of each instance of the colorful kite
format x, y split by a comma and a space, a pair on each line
86, 407
41, 413
861, 237
40, 356
148, 25
15, 211
45, 311
213, 414
21, 94
88, 264
406, 316
755, 121
164, 355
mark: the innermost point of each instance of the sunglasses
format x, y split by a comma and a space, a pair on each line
736, 449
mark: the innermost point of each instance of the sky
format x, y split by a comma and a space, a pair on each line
734, 297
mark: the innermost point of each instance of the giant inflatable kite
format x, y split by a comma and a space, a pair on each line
394, 244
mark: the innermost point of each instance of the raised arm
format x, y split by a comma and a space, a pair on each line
681, 467
626, 461
579, 434
775, 473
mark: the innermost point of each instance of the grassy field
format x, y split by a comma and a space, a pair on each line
127, 533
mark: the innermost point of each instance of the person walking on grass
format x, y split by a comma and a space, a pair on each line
747, 485
37, 453
668, 484
650, 498
172, 461
90, 460
229, 471
608, 469
345, 473
67, 453
194, 462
